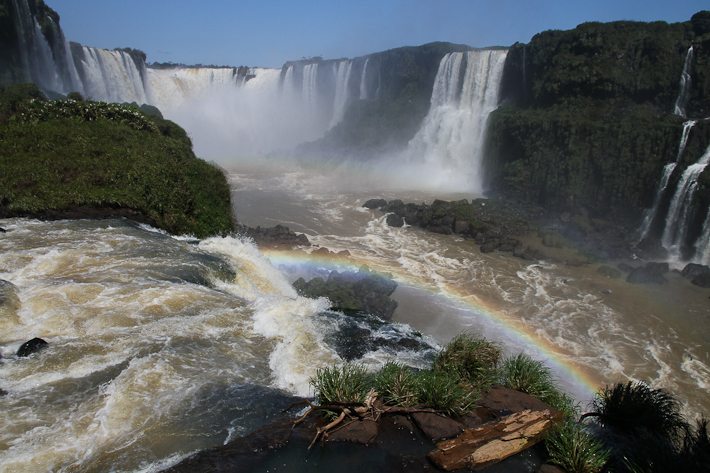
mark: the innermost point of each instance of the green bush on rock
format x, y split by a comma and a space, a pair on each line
70, 158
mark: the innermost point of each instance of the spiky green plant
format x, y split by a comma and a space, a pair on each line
524, 374
575, 450
445, 392
635, 406
396, 385
474, 360
348, 383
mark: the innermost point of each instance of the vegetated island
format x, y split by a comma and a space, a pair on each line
71, 158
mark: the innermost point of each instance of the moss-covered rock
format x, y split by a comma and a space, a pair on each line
93, 159
587, 118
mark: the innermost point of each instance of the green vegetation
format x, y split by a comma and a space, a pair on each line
341, 384
587, 122
575, 450
446, 392
74, 158
397, 385
473, 360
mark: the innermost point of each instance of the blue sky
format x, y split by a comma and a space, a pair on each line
270, 32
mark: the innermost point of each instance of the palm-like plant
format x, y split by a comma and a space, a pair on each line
575, 450
635, 406
474, 360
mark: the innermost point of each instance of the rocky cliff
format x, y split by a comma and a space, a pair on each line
590, 116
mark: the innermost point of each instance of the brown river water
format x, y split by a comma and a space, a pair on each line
160, 346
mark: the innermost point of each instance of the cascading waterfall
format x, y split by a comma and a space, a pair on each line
650, 214
112, 76
169, 87
310, 85
452, 135
702, 246
342, 78
685, 80
363, 80
51, 69
677, 220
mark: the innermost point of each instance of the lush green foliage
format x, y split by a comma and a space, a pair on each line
34, 111
397, 385
348, 383
474, 360
445, 392
109, 159
636, 406
575, 450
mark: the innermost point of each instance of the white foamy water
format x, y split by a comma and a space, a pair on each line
149, 337
571, 317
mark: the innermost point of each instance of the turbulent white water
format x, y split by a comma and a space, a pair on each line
451, 139
676, 228
685, 83
363, 80
158, 346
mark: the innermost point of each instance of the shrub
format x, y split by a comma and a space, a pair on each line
396, 385
443, 391
635, 406
474, 360
348, 383
575, 450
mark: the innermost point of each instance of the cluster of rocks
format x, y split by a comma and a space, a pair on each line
406, 441
492, 224
361, 291
655, 273
278, 236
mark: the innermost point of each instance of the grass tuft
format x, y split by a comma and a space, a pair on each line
396, 385
474, 360
575, 450
348, 383
444, 391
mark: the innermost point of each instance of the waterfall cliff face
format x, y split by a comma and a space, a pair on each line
45, 57
112, 76
684, 85
465, 92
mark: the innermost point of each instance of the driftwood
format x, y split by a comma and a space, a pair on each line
494, 441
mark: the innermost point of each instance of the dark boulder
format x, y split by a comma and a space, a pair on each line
363, 290
394, 220
31, 346
437, 427
698, 274
375, 203
490, 245
3, 393
651, 273
277, 236
2, 230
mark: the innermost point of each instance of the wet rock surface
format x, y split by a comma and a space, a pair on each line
650, 273
32, 346
278, 236
363, 291
395, 443
698, 274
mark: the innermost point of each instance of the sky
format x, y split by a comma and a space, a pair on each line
270, 32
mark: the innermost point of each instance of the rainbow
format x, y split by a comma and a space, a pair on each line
583, 383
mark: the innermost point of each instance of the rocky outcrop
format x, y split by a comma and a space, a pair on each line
650, 273
587, 120
361, 291
492, 224
32, 346
278, 236
698, 274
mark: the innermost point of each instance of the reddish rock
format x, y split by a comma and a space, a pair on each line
501, 401
360, 431
437, 427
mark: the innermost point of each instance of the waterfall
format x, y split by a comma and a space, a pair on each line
170, 87
650, 214
677, 220
684, 92
50, 68
452, 134
342, 78
363, 80
112, 76
702, 246
310, 85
